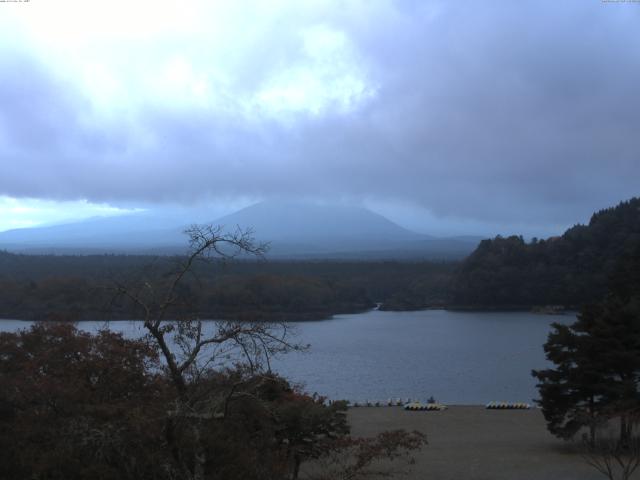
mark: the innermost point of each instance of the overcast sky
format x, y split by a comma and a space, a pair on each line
450, 117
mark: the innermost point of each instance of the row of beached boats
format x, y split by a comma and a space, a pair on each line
434, 406
507, 406
391, 402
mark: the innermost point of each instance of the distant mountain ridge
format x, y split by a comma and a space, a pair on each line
111, 234
293, 229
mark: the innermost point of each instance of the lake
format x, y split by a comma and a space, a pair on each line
456, 357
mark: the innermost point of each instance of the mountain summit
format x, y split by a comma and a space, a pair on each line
309, 227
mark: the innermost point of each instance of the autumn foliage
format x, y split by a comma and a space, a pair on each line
80, 406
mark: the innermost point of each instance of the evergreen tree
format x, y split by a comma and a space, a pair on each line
597, 361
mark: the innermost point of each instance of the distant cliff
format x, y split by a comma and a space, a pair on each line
569, 270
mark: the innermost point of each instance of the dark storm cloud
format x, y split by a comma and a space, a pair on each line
491, 111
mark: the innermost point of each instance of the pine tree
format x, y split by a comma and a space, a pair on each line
597, 362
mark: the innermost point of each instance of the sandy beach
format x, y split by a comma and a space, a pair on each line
470, 442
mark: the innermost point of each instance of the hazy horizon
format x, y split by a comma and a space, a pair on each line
183, 216
448, 118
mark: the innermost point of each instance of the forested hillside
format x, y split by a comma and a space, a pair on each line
502, 273
569, 270
82, 287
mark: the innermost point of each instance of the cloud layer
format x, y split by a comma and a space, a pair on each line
495, 112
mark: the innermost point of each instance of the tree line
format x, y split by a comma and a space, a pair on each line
506, 273
569, 270
81, 287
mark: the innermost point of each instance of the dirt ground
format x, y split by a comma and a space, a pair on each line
470, 442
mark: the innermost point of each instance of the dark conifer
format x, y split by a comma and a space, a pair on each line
597, 361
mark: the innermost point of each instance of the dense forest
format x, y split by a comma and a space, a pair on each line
566, 271
83, 287
502, 273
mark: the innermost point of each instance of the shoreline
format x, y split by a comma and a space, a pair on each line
311, 318
475, 443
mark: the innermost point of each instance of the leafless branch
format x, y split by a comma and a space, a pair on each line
611, 459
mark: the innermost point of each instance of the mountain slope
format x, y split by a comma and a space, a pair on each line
314, 227
307, 230
137, 231
293, 229
569, 270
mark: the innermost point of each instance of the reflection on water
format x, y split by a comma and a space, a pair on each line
456, 357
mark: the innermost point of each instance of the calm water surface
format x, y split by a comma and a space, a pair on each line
457, 357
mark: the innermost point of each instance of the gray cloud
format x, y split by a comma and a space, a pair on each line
498, 112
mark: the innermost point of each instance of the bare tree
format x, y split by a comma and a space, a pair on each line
194, 352
615, 455
188, 347
611, 460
